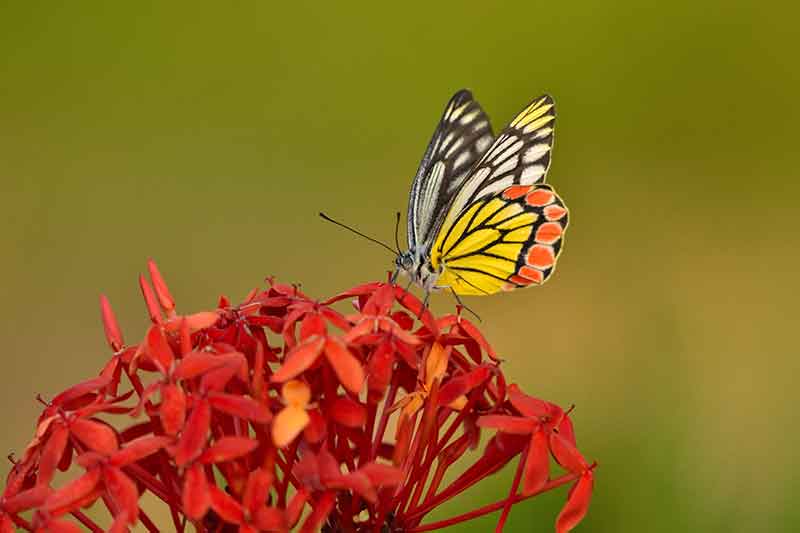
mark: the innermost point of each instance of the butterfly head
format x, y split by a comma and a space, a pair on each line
417, 268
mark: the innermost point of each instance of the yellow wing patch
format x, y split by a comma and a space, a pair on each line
503, 242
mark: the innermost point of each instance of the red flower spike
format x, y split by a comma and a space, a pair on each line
162, 291
258, 411
110, 325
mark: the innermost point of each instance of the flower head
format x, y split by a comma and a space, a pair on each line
274, 415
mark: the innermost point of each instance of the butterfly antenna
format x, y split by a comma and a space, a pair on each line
345, 226
396, 232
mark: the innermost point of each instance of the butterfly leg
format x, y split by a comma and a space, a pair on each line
461, 304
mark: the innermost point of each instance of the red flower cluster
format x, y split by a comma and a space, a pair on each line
283, 412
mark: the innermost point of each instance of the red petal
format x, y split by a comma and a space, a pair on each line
367, 288
382, 475
225, 506
197, 363
536, 464
123, 491
227, 449
173, 409
256, 491
27, 499
202, 320
577, 504
357, 482
348, 413
270, 519
403, 320
241, 406
299, 359
312, 324
463, 384
527, 405
110, 325
138, 449
94, 435
158, 349
167, 302
195, 496
566, 430
79, 390
59, 526
322, 509
345, 365
515, 425
315, 431
62, 499
193, 438
417, 308
566, 454
150, 301
379, 368
478, 337
52, 452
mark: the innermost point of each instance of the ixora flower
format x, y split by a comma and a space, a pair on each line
284, 414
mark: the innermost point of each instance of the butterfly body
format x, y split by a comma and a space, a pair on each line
480, 218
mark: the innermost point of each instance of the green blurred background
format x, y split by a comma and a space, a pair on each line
209, 137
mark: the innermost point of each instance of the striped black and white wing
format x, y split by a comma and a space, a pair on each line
462, 136
519, 156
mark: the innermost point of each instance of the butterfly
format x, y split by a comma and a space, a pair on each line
480, 217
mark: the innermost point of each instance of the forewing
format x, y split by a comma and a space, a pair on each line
462, 136
519, 156
502, 242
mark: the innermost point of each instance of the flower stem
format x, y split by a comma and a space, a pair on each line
492, 507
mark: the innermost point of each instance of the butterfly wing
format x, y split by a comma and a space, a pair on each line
504, 227
461, 137
503, 242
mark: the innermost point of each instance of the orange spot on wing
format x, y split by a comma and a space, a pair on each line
531, 275
540, 197
554, 212
540, 256
515, 191
548, 233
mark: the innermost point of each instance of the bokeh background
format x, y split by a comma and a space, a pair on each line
209, 137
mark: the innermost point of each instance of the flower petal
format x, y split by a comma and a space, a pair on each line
345, 365
123, 491
288, 424
173, 409
296, 393
195, 495
225, 506
138, 449
515, 425
241, 406
348, 413
577, 504
195, 433
299, 359
94, 435
227, 449
536, 464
